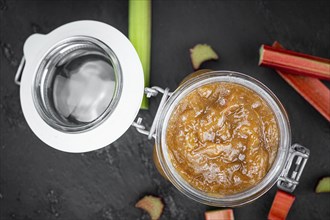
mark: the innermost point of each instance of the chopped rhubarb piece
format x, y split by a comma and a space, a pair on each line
323, 186
293, 62
151, 204
201, 53
224, 214
281, 206
312, 89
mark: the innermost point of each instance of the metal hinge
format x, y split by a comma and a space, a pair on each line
153, 91
290, 176
19, 71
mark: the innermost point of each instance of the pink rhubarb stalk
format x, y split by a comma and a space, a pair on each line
281, 206
293, 62
312, 89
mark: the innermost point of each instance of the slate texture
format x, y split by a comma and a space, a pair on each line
40, 183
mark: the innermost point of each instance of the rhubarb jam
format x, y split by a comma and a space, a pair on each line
222, 138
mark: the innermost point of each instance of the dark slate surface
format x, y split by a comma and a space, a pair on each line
38, 182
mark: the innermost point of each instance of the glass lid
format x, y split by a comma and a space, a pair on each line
77, 84
82, 85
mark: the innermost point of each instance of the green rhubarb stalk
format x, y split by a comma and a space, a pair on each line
139, 32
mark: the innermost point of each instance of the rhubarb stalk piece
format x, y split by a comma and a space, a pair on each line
323, 186
293, 62
151, 204
224, 214
311, 89
281, 206
201, 53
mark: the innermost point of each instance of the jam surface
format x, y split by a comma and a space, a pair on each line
222, 138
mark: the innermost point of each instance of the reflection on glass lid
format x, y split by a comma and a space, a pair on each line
83, 88
77, 85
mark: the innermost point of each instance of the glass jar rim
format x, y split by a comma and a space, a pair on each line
283, 149
45, 74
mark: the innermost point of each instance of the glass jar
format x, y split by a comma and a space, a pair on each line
81, 87
277, 173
